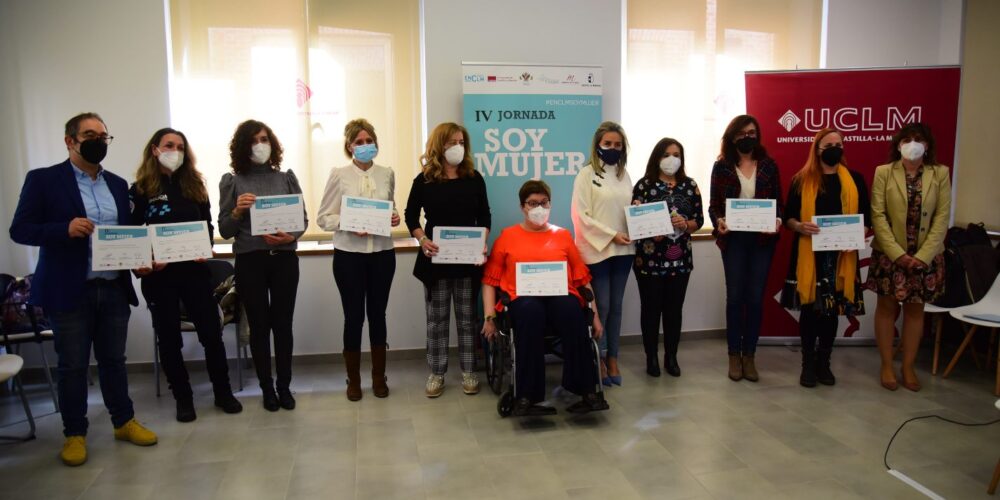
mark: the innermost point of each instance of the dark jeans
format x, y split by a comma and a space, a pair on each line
187, 282
531, 317
364, 280
267, 284
661, 297
100, 318
608, 279
746, 263
814, 326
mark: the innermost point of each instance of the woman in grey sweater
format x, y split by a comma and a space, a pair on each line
267, 268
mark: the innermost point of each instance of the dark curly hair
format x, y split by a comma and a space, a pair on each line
239, 147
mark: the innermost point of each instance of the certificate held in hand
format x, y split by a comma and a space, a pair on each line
648, 220
752, 215
117, 248
459, 245
365, 215
273, 214
181, 241
542, 279
839, 232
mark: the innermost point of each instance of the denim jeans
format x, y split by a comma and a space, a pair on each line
746, 263
608, 278
101, 319
364, 281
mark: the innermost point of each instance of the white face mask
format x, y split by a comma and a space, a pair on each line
455, 154
539, 215
912, 150
670, 165
260, 153
171, 159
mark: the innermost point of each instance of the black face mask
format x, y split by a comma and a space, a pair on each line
831, 156
94, 150
746, 145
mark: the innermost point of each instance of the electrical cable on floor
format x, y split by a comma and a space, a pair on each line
906, 479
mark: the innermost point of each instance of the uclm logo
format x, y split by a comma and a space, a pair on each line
865, 119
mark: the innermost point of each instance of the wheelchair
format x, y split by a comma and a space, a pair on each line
501, 367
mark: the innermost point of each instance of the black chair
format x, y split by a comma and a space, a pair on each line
220, 271
22, 323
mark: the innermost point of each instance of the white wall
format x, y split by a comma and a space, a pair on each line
61, 57
889, 33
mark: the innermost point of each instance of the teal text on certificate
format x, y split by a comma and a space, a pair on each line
369, 204
542, 268
283, 201
112, 234
179, 229
455, 234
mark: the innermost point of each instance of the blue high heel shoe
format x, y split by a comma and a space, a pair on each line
615, 379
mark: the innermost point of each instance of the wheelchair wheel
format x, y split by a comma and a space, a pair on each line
505, 405
495, 366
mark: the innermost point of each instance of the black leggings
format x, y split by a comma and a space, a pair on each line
661, 297
267, 284
164, 291
814, 326
364, 280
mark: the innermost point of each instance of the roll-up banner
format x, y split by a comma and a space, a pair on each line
868, 106
530, 122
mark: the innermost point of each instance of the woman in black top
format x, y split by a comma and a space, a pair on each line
826, 284
663, 264
451, 193
168, 188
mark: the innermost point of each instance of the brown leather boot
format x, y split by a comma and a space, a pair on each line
353, 362
750, 368
735, 368
379, 387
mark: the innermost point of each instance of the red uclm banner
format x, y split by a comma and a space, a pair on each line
868, 106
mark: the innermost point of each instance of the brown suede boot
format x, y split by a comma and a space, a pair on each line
735, 368
353, 362
750, 368
379, 387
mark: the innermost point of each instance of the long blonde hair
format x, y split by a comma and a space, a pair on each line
432, 160
147, 177
595, 161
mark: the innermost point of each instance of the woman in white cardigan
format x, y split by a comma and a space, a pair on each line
601, 192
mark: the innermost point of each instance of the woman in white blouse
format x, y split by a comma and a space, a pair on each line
601, 192
363, 264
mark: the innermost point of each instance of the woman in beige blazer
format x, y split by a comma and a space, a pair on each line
911, 203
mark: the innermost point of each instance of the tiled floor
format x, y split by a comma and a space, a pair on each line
699, 436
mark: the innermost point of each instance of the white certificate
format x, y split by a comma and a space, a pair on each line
542, 278
116, 248
271, 214
648, 220
181, 241
839, 232
459, 245
759, 216
365, 215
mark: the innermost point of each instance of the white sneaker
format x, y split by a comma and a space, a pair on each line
470, 383
435, 385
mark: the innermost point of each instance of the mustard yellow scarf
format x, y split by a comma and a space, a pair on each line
847, 262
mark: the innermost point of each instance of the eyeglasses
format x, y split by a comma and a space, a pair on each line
88, 136
741, 135
536, 204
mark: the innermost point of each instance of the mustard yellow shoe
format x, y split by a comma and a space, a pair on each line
74, 451
135, 433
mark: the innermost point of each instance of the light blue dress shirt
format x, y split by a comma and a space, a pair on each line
101, 210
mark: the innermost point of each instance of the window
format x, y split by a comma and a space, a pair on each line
305, 68
685, 64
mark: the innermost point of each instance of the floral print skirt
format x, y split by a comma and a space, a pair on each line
923, 285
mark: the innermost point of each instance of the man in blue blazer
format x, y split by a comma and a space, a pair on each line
57, 211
